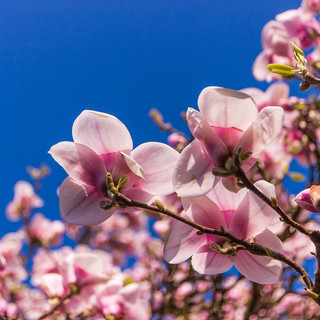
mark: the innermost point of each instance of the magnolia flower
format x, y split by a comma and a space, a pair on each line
103, 144
56, 272
300, 24
276, 49
227, 120
24, 201
124, 301
309, 199
244, 215
45, 231
277, 94
310, 6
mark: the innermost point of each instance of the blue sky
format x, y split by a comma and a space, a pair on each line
120, 57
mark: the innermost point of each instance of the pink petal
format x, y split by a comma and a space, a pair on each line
227, 108
204, 133
258, 96
259, 68
130, 293
270, 240
231, 183
208, 261
290, 20
101, 132
139, 195
203, 211
263, 131
89, 268
158, 161
253, 215
51, 284
121, 167
225, 199
182, 242
134, 166
192, 175
261, 269
277, 93
80, 162
304, 201
80, 204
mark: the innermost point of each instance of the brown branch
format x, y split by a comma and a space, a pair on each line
239, 173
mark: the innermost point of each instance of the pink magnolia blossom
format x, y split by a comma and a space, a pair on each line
276, 49
309, 199
10, 251
310, 6
299, 246
227, 120
244, 215
118, 299
277, 94
103, 144
24, 201
59, 273
300, 24
45, 231
176, 139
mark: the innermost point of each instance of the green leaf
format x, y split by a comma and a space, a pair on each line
298, 54
297, 176
245, 156
122, 182
281, 69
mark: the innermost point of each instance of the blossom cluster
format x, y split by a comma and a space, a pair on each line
199, 228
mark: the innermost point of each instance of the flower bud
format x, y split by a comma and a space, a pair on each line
309, 199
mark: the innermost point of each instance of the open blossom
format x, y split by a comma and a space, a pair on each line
103, 144
45, 231
244, 215
24, 201
227, 120
309, 199
311, 6
276, 49
118, 299
277, 94
300, 24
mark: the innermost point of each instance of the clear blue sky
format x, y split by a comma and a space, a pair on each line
120, 57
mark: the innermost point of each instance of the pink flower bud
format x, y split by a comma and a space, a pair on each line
175, 138
309, 199
184, 290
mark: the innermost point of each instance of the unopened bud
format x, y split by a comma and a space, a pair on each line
159, 205
274, 202
269, 253
312, 294
304, 85
156, 116
229, 165
110, 184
